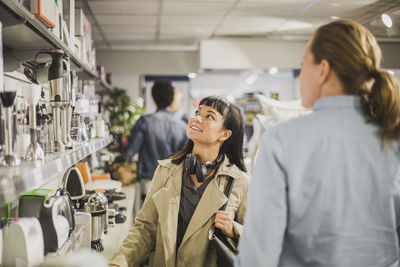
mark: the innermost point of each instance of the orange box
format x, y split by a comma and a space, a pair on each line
46, 11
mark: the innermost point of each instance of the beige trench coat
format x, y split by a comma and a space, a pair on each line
155, 227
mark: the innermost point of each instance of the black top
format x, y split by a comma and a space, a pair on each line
190, 197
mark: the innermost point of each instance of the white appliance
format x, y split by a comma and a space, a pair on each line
23, 242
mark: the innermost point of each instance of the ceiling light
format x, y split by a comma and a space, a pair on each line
251, 79
335, 17
273, 70
387, 20
192, 75
335, 4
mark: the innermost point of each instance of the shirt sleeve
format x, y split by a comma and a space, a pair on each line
135, 140
266, 217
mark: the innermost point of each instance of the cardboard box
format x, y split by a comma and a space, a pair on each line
78, 47
69, 18
80, 19
45, 11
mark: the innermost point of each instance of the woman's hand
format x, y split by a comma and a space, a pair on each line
224, 222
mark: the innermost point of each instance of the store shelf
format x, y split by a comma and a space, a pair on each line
22, 32
17, 180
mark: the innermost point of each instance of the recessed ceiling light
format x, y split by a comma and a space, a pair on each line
251, 79
273, 70
192, 75
387, 20
335, 17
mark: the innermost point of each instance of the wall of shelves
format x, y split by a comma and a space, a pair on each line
24, 35
17, 180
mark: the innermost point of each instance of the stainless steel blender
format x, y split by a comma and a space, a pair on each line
9, 158
66, 111
32, 96
59, 95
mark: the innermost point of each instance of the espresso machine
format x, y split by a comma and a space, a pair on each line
59, 92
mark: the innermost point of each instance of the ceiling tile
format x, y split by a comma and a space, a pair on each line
190, 20
248, 25
198, 8
120, 8
127, 20
267, 9
128, 29
189, 30
128, 37
276, 1
198, 1
328, 9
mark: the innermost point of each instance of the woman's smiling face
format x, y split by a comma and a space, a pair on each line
206, 125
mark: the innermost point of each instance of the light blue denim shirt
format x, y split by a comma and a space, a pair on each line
325, 192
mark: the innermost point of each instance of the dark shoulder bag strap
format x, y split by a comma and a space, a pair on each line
227, 192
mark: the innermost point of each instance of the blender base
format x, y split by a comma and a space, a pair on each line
10, 160
97, 246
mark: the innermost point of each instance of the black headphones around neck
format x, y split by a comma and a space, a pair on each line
193, 165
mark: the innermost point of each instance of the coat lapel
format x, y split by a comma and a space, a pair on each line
166, 202
213, 198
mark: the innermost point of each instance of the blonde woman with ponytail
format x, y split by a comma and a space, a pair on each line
326, 187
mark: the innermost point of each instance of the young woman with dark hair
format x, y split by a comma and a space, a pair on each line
187, 191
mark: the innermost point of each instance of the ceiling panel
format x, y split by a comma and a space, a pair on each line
196, 8
121, 8
190, 20
276, 1
268, 9
197, 1
327, 9
128, 37
248, 25
128, 23
128, 29
136, 20
301, 25
190, 30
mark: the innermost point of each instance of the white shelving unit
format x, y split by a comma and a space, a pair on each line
17, 180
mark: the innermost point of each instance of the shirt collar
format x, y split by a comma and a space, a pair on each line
164, 110
338, 101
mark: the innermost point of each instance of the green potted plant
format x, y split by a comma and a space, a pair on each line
123, 112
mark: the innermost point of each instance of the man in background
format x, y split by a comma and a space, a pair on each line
155, 136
